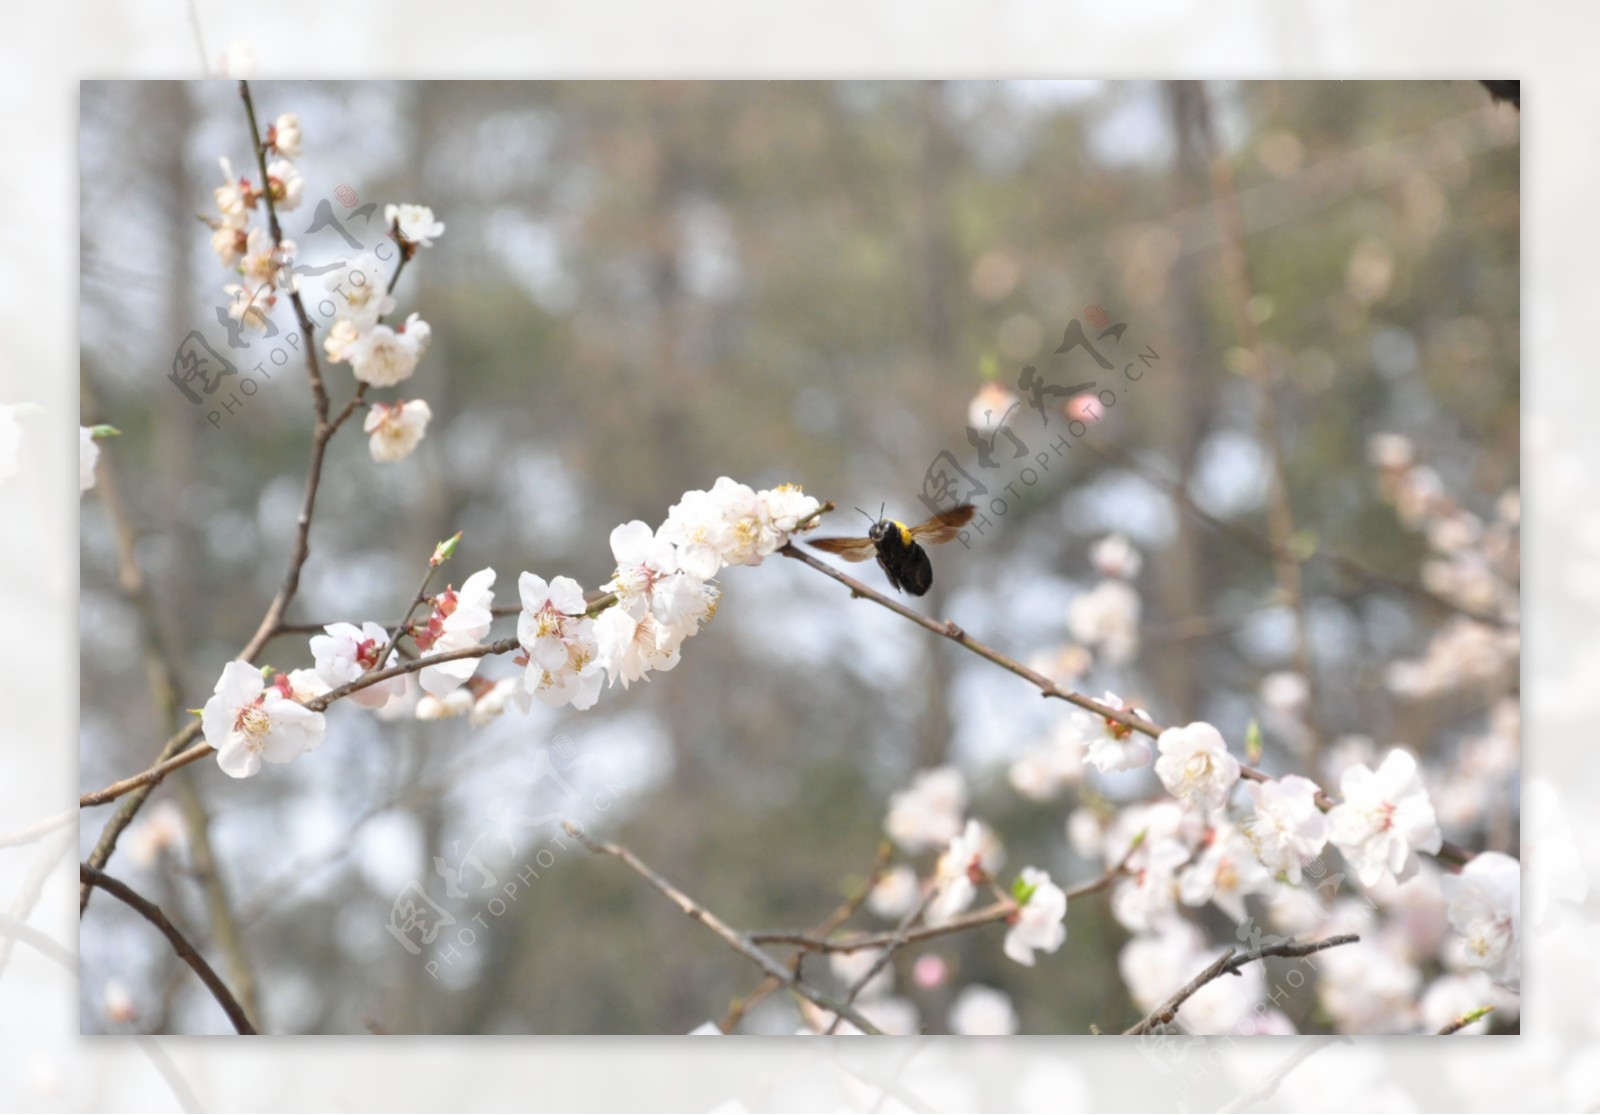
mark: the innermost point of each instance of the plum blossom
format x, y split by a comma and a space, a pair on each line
236, 196
560, 641
347, 652
1041, 922
286, 185
1195, 765
396, 428
460, 619
263, 263
359, 292
1485, 907
1223, 873
247, 720
972, 856
230, 239
786, 507
1113, 746
980, 1011
928, 813
284, 135
250, 304
665, 603
415, 223
1385, 818
1287, 828
383, 356
491, 699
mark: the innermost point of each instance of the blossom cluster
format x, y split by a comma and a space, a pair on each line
660, 593
262, 264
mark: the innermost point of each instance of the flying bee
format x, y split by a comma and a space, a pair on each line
899, 547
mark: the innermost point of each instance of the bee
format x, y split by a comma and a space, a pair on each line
899, 547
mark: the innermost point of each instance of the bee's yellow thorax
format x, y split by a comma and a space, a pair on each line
905, 532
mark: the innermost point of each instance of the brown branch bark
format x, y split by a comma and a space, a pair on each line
1228, 964
738, 942
180, 944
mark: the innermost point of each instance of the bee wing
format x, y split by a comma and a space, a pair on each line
851, 549
944, 526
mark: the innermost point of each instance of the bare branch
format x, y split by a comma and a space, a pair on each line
180, 944
734, 940
1229, 964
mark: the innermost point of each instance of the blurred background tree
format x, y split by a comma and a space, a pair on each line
645, 286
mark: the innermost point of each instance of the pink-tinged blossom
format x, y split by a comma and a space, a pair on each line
1113, 746
1040, 924
1385, 818
460, 619
248, 720
347, 652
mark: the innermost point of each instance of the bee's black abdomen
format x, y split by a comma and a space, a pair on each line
916, 572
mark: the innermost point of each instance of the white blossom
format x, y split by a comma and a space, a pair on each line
235, 197
247, 720
491, 702
1041, 922
458, 702
347, 652
460, 619
980, 1011
249, 304
416, 223
974, 854
396, 428
630, 647
560, 641
1195, 765
383, 356
1113, 746
1485, 907
359, 292
928, 813
1287, 828
1224, 872
287, 186
284, 135
1385, 818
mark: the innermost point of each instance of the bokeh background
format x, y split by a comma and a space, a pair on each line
642, 287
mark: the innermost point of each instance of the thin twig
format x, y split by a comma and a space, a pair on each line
734, 940
1448, 852
1465, 1020
845, 911
1229, 964
912, 916
180, 944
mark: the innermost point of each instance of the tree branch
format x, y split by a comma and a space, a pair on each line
1229, 964
1448, 852
734, 940
180, 944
